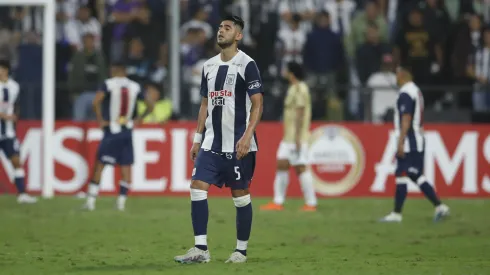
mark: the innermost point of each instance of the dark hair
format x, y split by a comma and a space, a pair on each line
155, 85
296, 18
296, 69
235, 19
5, 64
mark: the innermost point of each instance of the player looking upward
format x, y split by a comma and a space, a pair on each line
115, 108
409, 113
9, 92
293, 149
230, 111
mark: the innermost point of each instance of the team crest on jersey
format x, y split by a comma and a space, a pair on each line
230, 79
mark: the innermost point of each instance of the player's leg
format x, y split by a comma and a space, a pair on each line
206, 172
305, 178
125, 159
93, 187
19, 177
415, 173
281, 180
124, 186
239, 177
401, 191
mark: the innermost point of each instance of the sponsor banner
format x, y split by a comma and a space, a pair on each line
346, 160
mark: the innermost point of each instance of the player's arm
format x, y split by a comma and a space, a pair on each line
201, 118
405, 105
149, 103
255, 91
96, 105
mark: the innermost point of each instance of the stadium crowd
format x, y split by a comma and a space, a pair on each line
348, 47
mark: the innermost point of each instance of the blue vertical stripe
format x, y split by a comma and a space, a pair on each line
412, 142
217, 113
3, 123
240, 108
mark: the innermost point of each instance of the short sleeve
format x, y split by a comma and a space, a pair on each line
405, 104
204, 85
252, 79
103, 88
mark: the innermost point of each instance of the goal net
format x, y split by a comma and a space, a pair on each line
28, 30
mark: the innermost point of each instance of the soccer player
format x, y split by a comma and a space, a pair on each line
115, 108
230, 110
293, 149
9, 91
409, 113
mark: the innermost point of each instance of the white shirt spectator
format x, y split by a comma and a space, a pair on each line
69, 8
76, 29
197, 24
293, 42
384, 94
296, 6
341, 15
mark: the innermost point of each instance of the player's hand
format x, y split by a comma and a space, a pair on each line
10, 117
194, 150
242, 147
400, 152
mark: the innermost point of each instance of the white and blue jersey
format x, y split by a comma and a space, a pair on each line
410, 101
9, 93
119, 105
228, 87
119, 109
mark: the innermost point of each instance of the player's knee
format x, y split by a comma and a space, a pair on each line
198, 195
15, 160
282, 164
239, 193
200, 185
242, 201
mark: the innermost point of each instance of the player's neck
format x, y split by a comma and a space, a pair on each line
227, 54
4, 79
294, 81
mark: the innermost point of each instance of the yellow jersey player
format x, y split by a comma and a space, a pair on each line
293, 150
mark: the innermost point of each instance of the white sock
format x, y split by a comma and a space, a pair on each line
93, 192
306, 181
121, 200
280, 186
201, 240
241, 245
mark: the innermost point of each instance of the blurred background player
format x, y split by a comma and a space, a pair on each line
409, 113
115, 106
9, 92
230, 111
293, 150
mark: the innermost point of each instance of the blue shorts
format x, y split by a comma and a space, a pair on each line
10, 147
224, 169
412, 165
116, 149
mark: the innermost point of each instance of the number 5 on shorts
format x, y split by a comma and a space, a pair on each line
238, 176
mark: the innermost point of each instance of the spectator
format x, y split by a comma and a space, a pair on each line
291, 41
436, 19
122, 13
323, 56
163, 106
84, 23
480, 71
199, 21
369, 54
341, 12
304, 8
370, 16
146, 27
65, 14
88, 69
415, 47
383, 88
139, 68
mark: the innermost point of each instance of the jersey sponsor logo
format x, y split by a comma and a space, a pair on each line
230, 79
255, 85
337, 159
218, 98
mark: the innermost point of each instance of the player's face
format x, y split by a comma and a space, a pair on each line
228, 33
3, 72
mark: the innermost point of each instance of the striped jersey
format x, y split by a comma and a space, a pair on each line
119, 105
228, 87
9, 92
410, 101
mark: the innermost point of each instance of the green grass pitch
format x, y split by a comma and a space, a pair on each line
343, 237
